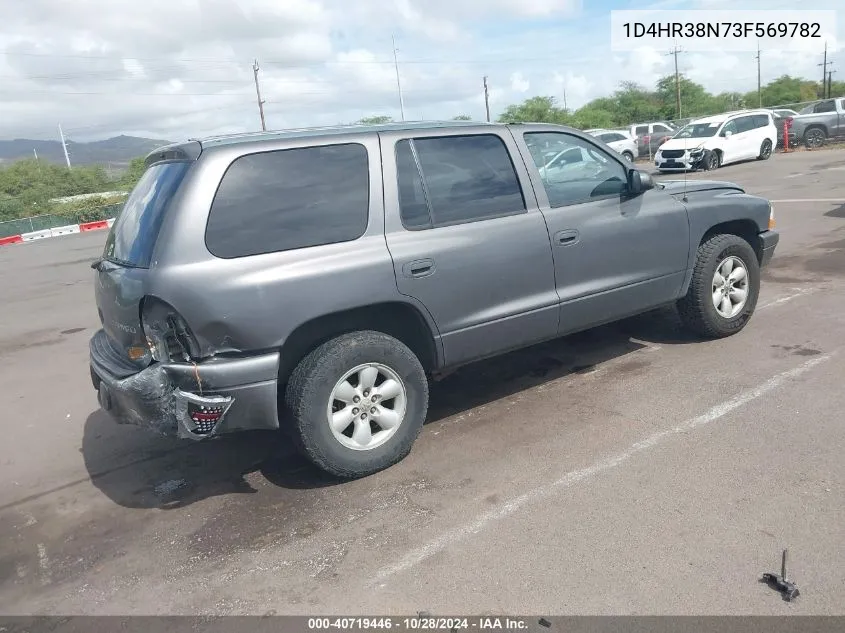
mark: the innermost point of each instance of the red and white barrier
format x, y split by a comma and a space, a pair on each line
69, 229
35, 235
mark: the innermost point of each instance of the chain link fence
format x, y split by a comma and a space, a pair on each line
55, 220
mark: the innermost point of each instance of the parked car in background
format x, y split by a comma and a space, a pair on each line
717, 140
618, 141
819, 122
650, 136
315, 279
782, 112
781, 117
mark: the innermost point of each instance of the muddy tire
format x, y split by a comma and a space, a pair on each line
765, 150
357, 403
724, 288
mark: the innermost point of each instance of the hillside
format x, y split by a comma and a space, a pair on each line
118, 150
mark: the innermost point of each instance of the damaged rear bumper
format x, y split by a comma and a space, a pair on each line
195, 401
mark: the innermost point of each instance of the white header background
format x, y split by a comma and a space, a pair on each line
621, 40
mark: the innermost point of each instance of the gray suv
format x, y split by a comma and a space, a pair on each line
314, 279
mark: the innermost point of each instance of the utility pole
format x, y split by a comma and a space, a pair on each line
64, 146
675, 52
255, 69
830, 83
565, 109
398, 81
486, 99
824, 66
759, 84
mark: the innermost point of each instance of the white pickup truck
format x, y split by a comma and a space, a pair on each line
819, 122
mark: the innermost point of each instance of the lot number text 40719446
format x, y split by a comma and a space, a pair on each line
419, 623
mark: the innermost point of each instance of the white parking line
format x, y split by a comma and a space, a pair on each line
436, 545
798, 293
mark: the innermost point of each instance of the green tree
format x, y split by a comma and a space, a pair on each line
534, 110
462, 117
375, 120
133, 173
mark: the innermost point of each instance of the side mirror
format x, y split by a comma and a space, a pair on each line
728, 133
639, 182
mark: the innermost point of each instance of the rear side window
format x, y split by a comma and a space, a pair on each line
466, 179
761, 120
825, 106
659, 127
133, 236
288, 199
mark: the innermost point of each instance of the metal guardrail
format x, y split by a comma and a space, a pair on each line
54, 220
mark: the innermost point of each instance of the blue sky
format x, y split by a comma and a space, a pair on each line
103, 67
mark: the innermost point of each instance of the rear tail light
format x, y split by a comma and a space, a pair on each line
168, 336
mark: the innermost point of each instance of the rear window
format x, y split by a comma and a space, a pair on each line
133, 236
289, 199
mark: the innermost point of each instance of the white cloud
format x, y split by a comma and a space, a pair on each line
172, 69
519, 83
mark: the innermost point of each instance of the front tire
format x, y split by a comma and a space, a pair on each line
714, 161
765, 150
724, 288
357, 403
628, 156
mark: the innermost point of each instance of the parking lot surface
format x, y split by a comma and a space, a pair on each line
629, 469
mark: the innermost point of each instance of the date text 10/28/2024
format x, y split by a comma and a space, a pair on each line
421, 623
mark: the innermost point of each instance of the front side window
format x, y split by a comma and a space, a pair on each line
642, 130
697, 130
288, 199
744, 124
466, 179
730, 126
574, 170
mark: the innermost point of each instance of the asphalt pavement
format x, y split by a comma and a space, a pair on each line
630, 469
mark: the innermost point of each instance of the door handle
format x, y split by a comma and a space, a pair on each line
566, 238
418, 268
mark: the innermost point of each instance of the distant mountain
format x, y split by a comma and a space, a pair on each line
117, 151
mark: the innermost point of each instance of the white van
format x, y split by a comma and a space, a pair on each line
718, 140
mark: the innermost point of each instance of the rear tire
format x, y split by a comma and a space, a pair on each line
765, 150
815, 137
321, 390
628, 156
698, 309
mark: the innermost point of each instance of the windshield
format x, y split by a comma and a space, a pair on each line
135, 231
698, 130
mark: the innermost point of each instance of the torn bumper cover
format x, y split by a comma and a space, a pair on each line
195, 401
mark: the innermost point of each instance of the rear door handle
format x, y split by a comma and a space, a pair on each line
418, 268
566, 238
